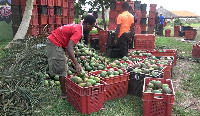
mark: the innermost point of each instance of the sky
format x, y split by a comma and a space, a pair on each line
176, 5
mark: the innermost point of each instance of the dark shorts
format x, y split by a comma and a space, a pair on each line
57, 60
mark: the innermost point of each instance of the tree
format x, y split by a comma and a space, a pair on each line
100, 4
22, 30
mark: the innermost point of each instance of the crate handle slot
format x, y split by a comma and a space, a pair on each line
158, 97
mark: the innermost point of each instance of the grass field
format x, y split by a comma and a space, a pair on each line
129, 105
6, 35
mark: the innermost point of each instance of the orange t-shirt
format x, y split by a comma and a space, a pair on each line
125, 19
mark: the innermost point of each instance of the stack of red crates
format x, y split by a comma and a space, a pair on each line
113, 14
137, 13
103, 38
176, 30
151, 19
52, 12
70, 11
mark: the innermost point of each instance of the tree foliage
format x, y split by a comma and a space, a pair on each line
100, 4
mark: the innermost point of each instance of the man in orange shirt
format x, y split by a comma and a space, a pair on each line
124, 30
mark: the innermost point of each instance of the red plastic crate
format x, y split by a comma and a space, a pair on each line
116, 87
151, 29
65, 3
57, 26
103, 36
152, 14
103, 39
143, 14
112, 21
176, 33
58, 19
41, 2
176, 28
137, 29
65, 20
143, 27
57, 2
41, 29
51, 19
132, 4
86, 100
15, 2
102, 49
42, 19
91, 36
154, 106
144, 41
166, 52
116, 90
71, 5
71, 12
167, 72
137, 13
196, 51
50, 2
34, 20
64, 11
34, 11
165, 23
71, 20
151, 21
50, 28
33, 30
167, 32
153, 7
112, 26
112, 14
190, 34
50, 10
23, 2
119, 5
118, 12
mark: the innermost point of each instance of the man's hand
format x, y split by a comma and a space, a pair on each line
78, 68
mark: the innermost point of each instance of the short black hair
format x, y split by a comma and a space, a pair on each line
125, 6
95, 12
89, 19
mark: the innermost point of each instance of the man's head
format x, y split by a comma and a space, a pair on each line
160, 14
125, 6
95, 14
88, 23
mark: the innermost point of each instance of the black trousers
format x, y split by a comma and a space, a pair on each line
123, 43
161, 29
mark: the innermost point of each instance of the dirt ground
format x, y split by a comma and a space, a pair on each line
188, 102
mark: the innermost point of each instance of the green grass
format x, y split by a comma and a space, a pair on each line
128, 105
6, 35
192, 84
195, 25
170, 43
